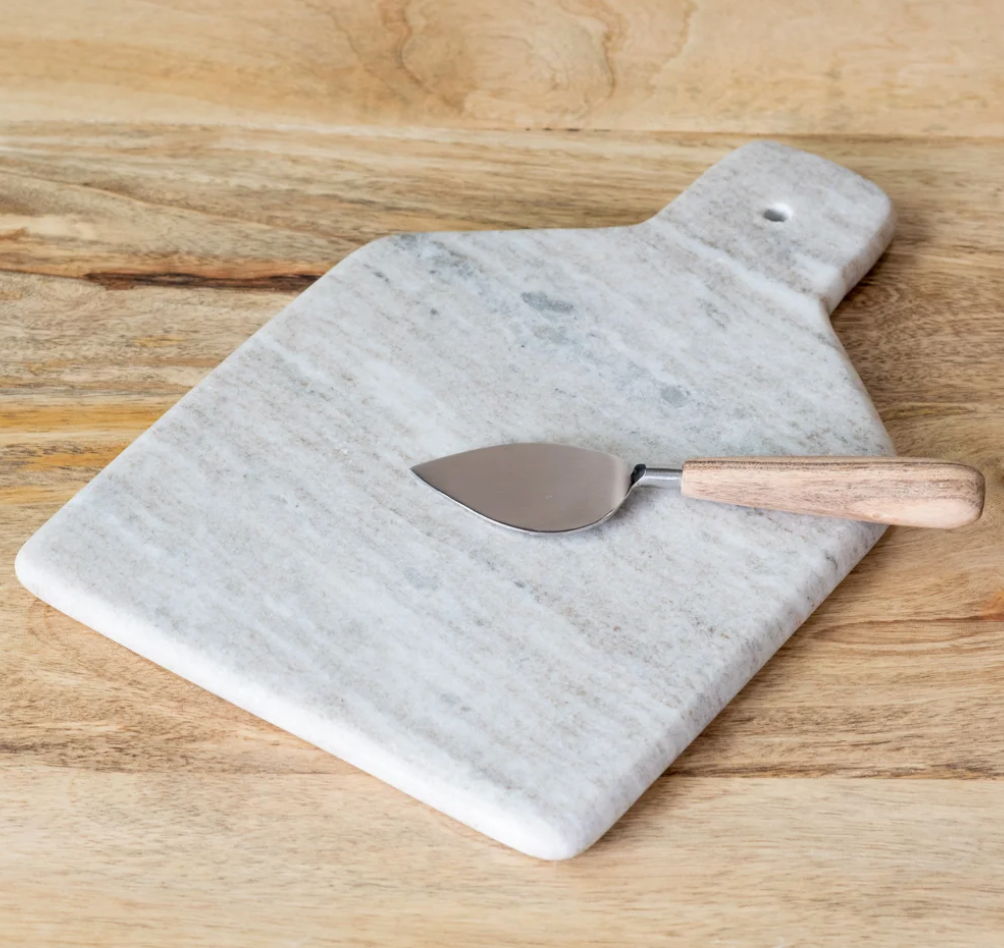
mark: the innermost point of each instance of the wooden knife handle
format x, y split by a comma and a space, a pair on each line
914, 492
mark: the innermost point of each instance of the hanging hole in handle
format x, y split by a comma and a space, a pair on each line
777, 213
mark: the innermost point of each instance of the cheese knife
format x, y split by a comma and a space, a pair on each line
548, 488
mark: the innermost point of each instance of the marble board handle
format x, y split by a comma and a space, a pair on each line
914, 492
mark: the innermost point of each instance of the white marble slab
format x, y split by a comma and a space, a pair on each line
266, 540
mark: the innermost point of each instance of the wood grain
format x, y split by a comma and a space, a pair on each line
910, 492
896, 67
851, 794
292, 862
271, 209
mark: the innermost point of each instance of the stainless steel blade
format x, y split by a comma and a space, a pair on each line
537, 488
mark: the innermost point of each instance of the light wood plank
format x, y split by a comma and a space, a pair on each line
251, 861
763, 66
270, 209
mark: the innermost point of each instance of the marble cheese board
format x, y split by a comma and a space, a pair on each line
267, 540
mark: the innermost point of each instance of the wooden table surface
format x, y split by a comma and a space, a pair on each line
172, 173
